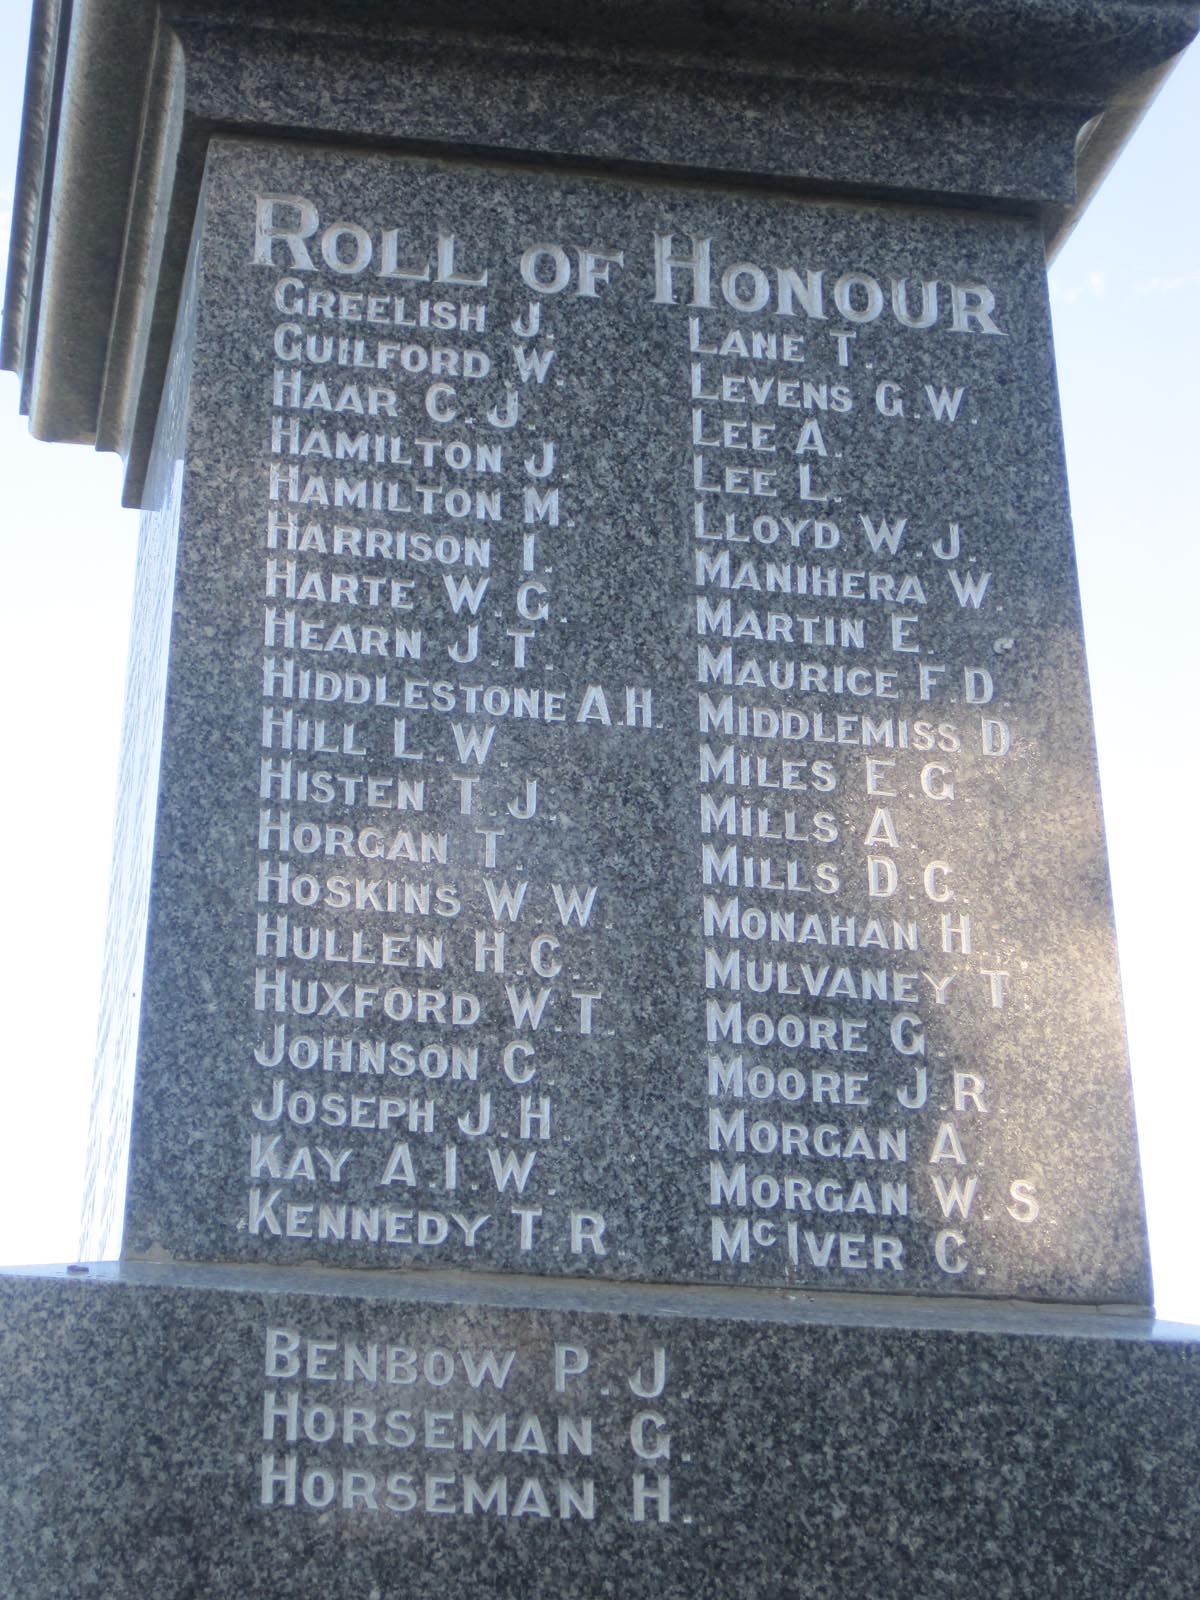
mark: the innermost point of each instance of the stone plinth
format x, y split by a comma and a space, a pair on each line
310, 1438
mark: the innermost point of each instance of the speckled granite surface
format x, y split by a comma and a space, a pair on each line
627, 828
772, 1456
972, 102
627, 803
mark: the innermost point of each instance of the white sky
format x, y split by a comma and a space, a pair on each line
1125, 294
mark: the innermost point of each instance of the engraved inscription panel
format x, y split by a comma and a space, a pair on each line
400, 1426
628, 640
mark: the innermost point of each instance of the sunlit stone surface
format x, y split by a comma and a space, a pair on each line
612, 1077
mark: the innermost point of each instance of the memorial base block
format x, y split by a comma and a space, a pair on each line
213, 1432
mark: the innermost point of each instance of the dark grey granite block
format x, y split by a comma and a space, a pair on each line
220, 1435
627, 799
625, 810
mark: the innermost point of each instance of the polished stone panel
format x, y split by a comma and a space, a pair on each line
627, 803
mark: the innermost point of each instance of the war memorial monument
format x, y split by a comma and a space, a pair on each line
611, 1080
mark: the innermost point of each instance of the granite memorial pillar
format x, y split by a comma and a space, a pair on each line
612, 1078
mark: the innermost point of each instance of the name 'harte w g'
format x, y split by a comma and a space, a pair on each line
286, 224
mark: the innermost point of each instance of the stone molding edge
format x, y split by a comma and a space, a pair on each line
1100, 143
79, 118
38, 120
105, 199
1050, 48
699, 1302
